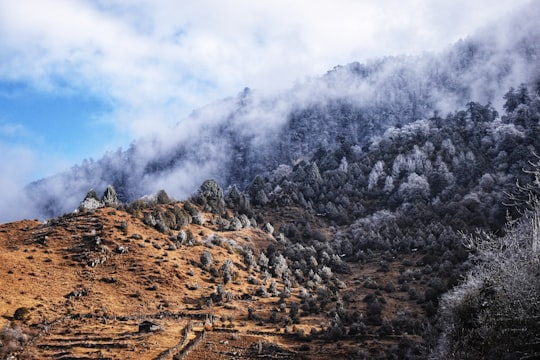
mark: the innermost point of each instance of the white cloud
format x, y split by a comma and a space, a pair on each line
18, 164
15, 165
165, 58
12, 129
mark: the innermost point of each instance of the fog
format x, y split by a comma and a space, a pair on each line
255, 131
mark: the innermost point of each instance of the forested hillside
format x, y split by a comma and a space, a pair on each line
420, 243
424, 189
390, 206
235, 139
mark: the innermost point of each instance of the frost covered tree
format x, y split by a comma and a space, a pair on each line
495, 313
109, 197
211, 194
206, 259
376, 173
415, 189
162, 197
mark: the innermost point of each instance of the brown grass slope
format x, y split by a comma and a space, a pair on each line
79, 286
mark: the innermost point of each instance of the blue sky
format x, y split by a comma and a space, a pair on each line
82, 77
66, 126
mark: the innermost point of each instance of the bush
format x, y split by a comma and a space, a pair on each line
12, 340
21, 314
206, 259
124, 226
162, 197
494, 313
211, 194
373, 312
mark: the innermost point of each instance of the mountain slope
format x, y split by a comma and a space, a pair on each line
353, 246
81, 286
235, 139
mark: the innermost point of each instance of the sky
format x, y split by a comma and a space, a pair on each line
82, 77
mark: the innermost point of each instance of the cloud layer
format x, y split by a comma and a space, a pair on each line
154, 62
158, 60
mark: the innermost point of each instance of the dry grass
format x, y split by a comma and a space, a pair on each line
41, 265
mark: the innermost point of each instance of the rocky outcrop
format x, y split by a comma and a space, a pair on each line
109, 197
91, 201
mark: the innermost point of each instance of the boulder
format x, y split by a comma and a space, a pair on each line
109, 197
90, 202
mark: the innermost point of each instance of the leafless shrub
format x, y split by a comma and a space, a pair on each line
12, 339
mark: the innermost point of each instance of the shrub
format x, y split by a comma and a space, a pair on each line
373, 312
211, 194
124, 226
206, 259
12, 340
162, 197
261, 292
21, 314
293, 312
249, 259
494, 313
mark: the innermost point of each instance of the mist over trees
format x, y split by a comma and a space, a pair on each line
415, 187
423, 188
238, 138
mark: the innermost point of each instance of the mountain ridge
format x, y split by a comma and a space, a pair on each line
238, 138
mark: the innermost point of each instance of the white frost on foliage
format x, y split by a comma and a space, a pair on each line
376, 173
